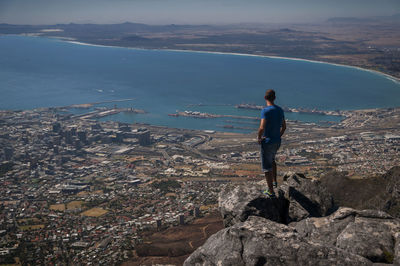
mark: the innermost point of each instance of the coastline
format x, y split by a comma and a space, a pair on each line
391, 78
58, 39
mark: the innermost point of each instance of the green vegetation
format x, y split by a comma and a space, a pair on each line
94, 203
310, 155
7, 260
389, 256
166, 186
35, 180
5, 167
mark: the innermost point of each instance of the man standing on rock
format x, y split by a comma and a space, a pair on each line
271, 129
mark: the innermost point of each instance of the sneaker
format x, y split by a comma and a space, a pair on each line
269, 194
275, 184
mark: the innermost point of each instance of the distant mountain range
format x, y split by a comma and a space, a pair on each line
359, 38
394, 18
139, 27
103, 28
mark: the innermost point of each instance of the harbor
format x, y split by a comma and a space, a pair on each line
103, 112
89, 105
196, 114
293, 110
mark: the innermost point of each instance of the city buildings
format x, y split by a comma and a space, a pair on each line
81, 191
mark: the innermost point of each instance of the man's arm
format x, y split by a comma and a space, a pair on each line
283, 127
261, 130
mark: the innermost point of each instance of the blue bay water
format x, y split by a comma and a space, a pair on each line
41, 72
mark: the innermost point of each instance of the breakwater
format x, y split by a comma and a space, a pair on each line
292, 110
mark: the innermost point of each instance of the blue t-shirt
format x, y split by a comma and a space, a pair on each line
274, 116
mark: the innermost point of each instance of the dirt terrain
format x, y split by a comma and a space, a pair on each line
175, 244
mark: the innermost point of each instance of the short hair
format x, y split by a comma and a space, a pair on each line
270, 95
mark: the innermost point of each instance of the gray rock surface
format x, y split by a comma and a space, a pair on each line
381, 192
392, 196
299, 227
259, 241
297, 198
307, 197
368, 233
238, 203
396, 260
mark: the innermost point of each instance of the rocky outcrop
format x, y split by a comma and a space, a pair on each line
299, 227
297, 198
392, 195
238, 203
368, 233
307, 197
259, 241
380, 192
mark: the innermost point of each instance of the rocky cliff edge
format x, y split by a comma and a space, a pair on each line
301, 226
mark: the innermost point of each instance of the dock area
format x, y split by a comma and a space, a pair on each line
292, 110
195, 114
106, 112
89, 105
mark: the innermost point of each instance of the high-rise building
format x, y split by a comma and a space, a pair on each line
82, 136
56, 127
8, 153
124, 127
181, 219
144, 138
158, 222
196, 212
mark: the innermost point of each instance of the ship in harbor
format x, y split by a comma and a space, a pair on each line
249, 106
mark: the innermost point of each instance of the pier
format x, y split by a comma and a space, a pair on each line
103, 113
88, 105
208, 115
291, 110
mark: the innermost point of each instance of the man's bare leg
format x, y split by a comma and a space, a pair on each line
269, 178
274, 171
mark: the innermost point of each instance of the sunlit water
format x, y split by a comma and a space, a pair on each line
42, 72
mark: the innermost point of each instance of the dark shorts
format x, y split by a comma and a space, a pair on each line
268, 152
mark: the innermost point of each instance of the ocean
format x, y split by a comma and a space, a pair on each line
45, 72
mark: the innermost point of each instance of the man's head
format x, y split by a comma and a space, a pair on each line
270, 96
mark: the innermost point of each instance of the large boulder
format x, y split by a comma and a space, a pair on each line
297, 198
237, 203
380, 192
307, 197
368, 233
259, 241
396, 260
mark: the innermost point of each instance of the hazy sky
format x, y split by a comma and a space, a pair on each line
188, 11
